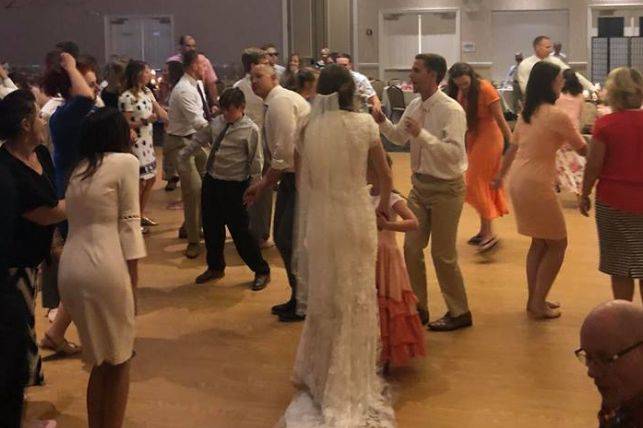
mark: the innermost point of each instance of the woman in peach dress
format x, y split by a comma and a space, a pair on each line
541, 130
486, 133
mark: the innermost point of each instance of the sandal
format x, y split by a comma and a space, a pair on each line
65, 347
475, 240
488, 244
146, 221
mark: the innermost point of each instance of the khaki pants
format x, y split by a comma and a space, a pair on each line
190, 172
437, 205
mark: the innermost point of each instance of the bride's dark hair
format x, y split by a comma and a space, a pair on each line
335, 78
104, 131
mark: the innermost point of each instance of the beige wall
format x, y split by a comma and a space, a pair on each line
222, 27
476, 25
339, 25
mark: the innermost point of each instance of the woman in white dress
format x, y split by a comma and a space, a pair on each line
336, 366
141, 111
98, 266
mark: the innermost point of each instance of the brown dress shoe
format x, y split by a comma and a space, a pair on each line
192, 251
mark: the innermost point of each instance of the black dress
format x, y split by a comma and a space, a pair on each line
31, 242
14, 338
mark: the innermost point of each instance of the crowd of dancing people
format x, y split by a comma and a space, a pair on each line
78, 166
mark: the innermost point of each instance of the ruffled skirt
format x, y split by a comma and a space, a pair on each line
400, 325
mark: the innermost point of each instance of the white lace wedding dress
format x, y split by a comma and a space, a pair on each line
336, 365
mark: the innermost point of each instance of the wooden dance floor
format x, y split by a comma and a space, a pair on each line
213, 356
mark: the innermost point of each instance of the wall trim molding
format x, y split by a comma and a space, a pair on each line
481, 64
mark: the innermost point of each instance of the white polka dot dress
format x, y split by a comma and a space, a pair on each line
141, 108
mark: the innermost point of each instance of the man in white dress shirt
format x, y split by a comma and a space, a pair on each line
286, 114
363, 88
273, 56
543, 48
435, 126
187, 116
261, 211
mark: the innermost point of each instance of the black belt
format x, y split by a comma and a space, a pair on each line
189, 137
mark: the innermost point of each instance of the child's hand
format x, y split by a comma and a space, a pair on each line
382, 210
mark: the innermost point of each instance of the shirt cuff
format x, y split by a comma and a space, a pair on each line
280, 164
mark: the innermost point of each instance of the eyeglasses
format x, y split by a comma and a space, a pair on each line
585, 358
273, 53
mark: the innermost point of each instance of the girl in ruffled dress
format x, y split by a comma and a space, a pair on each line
401, 328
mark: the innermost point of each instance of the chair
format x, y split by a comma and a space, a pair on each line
396, 101
378, 86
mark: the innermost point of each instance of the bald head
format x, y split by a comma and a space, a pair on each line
609, 330
264, 80
618, 319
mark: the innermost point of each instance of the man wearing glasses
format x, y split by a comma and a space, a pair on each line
612, 350
188, 43
273, 57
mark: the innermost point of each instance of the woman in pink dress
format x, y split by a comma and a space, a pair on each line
569, 164
400, 325
541, 130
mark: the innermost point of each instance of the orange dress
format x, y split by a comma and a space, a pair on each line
400, 325
533, 172
484, 150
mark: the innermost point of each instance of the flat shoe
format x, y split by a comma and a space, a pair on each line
449, 323
65, 347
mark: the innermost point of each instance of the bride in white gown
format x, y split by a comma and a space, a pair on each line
336, 365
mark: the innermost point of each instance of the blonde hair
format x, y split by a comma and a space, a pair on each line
624, 88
